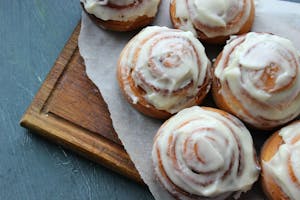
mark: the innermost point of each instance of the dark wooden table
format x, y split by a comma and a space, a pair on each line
32, 34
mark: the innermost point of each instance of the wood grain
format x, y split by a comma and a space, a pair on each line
69, 110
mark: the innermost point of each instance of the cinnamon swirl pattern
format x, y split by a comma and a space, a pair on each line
162, 71
281, 164
213, 20
122, 15
256, 78
204, 153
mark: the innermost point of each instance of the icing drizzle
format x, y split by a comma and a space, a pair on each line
168, 65
261, 72
121, 10
284, 167
202, 153
214, 17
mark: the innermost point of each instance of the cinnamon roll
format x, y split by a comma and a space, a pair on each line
162, 71
204, 153
121, 15
213, 21
280, 158
256, 78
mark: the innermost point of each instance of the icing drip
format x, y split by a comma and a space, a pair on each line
213, 18
203, 153
121, 10
262, 72
169, 65
284, 167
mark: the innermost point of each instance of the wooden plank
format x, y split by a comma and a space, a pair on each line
69, 110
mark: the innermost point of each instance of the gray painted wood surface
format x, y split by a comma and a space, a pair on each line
32, 34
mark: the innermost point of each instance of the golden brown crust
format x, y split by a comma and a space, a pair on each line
216, 87
147, 109
161, 172
235, 105
270, 187
121, 26
231, 104
216, 40
142, 105
219, 99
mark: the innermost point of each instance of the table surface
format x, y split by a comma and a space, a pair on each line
32, 35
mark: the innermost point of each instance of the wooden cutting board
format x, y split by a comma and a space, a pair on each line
69, 110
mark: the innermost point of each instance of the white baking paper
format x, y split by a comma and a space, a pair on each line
100, 50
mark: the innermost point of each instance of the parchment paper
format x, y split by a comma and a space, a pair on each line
100, 50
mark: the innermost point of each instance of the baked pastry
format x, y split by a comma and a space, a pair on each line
121, 15
162, 71
256, 78
204, 153
280, 159
213, 21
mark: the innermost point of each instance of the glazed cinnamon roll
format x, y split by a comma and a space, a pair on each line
162, 71
204, 153
256, 78
280, 158
213, 21
121, 15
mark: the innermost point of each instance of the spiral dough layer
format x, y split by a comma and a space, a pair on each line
284, 166
257, 78
164, 68
204, 153
121, 10
212, 18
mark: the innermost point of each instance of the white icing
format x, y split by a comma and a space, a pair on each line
168, 60
251, 56
102, 11
277, 167
212, 13
218, 138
